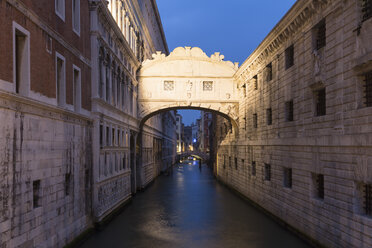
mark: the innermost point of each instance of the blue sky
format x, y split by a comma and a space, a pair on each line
233, 27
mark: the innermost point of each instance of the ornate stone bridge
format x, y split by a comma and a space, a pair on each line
188, 79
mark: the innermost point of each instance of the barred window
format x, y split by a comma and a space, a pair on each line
207, 86
255, 121
67, 183
320, 35
269, 72
230, 161
367, 199
255, 82
318, 183
168, 85
287, 177
36, 193
289, 110
267, 172
320, 101
366, 9
101, 135
269, 116
236, 163
253, 168
289, 57
224, 161
368, 89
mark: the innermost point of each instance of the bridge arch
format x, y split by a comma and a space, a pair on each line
188, 79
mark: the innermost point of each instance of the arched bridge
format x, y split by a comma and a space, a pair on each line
188, 79
197, 154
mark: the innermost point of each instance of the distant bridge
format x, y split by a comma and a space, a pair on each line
196, 154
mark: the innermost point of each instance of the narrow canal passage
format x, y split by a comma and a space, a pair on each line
189, 208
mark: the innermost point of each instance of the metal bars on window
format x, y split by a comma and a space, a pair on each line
368, 199
269, 116
368, 89
366, 9
321, 35
320, 186
289, 110
267, 172
288, 177
253, 168
320, 102
269, 72
289, 57
255, 121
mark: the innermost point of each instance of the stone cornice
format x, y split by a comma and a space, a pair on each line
293, 20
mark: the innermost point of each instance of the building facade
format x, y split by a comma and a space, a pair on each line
73, 149
303, 147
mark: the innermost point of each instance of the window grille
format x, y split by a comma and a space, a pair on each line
288, 177
321, 35
289, 110
36, 193
267, 172
366, 9
319, 180
224, 161
367, 204
207, 86
269, 116
255, 120
229, 161
368, 89
253, 168
255, 82
320, 102
236, 163
168, 85
269, 72
67, 183
289, 57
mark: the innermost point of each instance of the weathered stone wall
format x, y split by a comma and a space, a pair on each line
337, 145
44, 144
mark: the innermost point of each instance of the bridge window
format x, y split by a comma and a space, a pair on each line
287, 180
289, 57
366, 9
289, 110
368, 89
253, 171
267, 172
207, 85
168, 85
269, 116
255, 121
318, 185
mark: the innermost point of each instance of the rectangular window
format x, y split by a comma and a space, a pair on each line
255, 82
101, 135
318, 185
76, 16
77, 89
107, 136
320, 35
269, 72
207, 86
60, 8
229, 161
236, 163
253, 168
118, 138
113, 137
67, 183
366, 9
367, 199
36, 193
320, 101
287, 177
368, 89
269, 116
267, 172
289, 57
60, 80
21, 59
224, 161
255, 121
289, 110
168, 85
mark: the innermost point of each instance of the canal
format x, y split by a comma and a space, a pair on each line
189, 208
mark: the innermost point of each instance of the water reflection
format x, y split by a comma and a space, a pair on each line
190, 209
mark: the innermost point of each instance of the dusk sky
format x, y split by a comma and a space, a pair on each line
235, 27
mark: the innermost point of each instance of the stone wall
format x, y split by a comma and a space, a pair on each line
45, 163
278, 161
